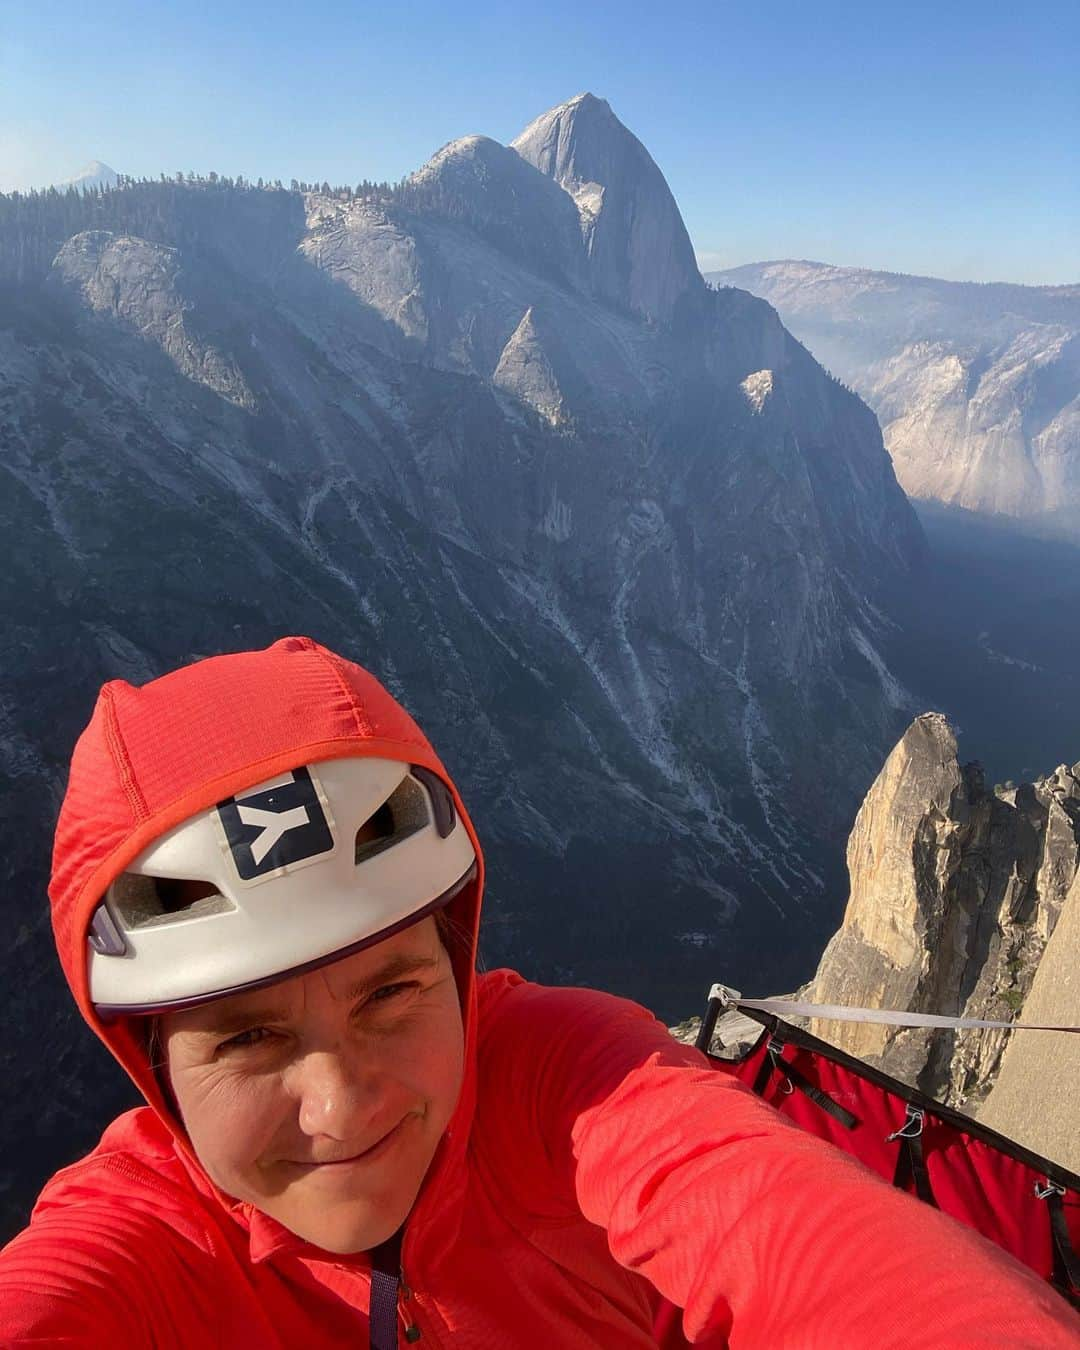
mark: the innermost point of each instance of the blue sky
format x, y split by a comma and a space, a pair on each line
931, 138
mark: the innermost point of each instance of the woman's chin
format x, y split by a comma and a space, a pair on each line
342, 1214
345, 1230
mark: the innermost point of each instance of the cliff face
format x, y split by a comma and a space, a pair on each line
639, 252
955, 892
139, 286
977, 387
1036, 1098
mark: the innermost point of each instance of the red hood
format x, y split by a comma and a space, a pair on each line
153, 756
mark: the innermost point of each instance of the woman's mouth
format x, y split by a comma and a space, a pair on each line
370, 1154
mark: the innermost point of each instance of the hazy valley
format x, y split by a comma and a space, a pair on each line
977, 386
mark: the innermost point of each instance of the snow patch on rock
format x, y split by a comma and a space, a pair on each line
757, 388
558, 520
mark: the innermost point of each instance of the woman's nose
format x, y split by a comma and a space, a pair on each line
337, 1095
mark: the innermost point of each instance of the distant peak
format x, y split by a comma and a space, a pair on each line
582, 108
465, 159
588, 102
468, 143
518, 209
95, 174
465, 147
95, 169
639, 252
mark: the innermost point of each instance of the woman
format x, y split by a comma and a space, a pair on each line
266, 894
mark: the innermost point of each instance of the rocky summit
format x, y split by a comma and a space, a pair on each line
961, 903
616, 539
977, 386
639, 253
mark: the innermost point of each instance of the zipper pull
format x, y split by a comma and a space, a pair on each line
412, 1331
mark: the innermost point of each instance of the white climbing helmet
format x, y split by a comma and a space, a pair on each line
290, 874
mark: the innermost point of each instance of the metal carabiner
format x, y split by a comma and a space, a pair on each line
1051, 1188
775, 1051
912, 1126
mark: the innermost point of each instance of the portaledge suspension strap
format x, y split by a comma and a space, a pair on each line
1066, 1261
910, 1161
729, 1000
774, 1062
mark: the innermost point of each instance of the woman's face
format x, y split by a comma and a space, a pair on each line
322, 1099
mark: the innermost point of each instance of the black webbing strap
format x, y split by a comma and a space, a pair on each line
765, 1070
1066, 1262
818, 1096
708, 1025
775, 1062
383, 1314
910, 1161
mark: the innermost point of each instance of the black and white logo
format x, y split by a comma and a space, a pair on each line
281, 825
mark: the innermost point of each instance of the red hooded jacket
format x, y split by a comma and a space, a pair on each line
599, 1185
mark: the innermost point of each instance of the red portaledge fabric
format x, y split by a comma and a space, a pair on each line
976, 1175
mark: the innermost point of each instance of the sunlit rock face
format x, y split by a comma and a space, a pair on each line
639, 252
1035, 1098
977, 387
496, 192
617, 540
956, 892
140, 286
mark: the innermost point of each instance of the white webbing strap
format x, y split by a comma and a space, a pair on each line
784, 1007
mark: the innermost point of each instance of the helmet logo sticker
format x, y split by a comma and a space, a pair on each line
280, 825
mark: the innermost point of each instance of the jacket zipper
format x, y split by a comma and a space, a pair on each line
407, 1309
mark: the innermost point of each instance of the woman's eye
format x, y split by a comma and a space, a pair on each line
388, 992
243, 1039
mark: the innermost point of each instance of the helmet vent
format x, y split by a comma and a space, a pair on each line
149, 902
403, 813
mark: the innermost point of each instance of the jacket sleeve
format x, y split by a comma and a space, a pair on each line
80, 1277
760, 1232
